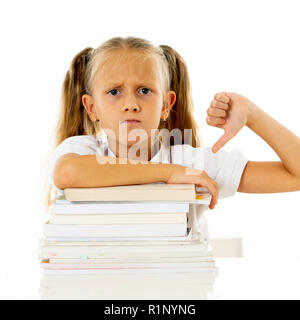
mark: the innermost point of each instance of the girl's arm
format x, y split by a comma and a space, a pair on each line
277, 176
92, 171
231, 112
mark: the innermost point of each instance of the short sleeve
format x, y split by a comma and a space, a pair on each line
82, 145
225, 167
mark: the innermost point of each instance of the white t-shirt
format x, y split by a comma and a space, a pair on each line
224, 167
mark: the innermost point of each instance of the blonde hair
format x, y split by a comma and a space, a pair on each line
73, 119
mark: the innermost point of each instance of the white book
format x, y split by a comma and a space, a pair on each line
209, 271
118, 218
110, 207
133, 260
141, 265
123, 281
114, 230
118, 252
84, 257
90, 240
141, 286
193, 247
121, 255
186, 240
120, 240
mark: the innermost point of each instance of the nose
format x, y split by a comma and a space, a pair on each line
131, 108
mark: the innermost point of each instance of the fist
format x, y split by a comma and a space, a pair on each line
217, 111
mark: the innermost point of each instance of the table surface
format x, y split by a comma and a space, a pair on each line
237, 278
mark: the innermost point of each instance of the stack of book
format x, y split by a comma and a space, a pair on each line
137, 286
124, 229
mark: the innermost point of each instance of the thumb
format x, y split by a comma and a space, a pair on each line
221, 142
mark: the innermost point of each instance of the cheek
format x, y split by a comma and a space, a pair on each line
157, 113
152, 121
154, 108
107, 114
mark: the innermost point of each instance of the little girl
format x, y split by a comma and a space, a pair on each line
128, 85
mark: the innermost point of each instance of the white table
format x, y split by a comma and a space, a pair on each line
258, 278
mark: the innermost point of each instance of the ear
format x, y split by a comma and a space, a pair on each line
169, 102
88, 103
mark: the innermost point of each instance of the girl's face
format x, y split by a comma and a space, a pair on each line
128, 86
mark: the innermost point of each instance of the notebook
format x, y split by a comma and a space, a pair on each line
115, 230
119, 241
54, 271
86, 252
140, 192
108, 207
105, 266
137, 218
132, 260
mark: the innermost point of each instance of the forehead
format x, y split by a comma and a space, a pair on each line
130, 65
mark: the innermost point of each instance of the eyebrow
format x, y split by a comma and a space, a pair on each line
118, 85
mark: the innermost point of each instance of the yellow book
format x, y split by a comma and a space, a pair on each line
141, 192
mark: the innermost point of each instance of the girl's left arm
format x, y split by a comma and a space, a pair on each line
231, 112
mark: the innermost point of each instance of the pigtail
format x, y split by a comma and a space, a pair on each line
73, 119
181, 114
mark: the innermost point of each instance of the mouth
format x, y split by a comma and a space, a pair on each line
130, 121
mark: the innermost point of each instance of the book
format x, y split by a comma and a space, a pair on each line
108, 252
86, 256
146, 239
63, 206
109, 241
141, 241
114, 230
59, 268
140, 248
118, 218
132, 260
140, 192
193, 286
127, 265
48, 270
124, 281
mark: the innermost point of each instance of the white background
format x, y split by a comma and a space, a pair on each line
248, 47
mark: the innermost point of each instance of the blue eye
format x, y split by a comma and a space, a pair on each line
113, 90
145, 89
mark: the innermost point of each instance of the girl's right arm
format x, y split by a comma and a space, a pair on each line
85, 171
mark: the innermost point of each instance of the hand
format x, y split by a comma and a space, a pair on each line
228, 111
198, 177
